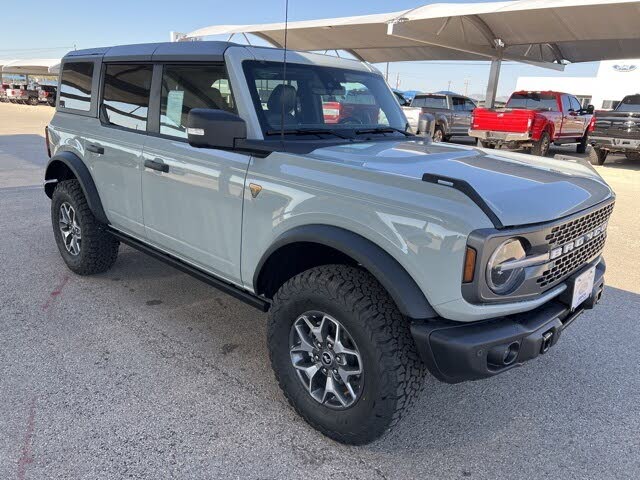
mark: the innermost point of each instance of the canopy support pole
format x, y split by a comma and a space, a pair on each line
492, 86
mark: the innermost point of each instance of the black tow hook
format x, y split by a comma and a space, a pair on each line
547, 340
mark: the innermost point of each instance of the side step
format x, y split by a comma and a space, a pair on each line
226, 287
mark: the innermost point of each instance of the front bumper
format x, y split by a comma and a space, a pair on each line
500, 137
456, 352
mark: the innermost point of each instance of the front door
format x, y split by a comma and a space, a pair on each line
193, 197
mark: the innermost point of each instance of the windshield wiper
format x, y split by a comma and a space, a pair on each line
308, 131
384, 130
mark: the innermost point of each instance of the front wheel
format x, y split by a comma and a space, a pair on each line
33, 101
582, 146
632, 155
541, 147
342, 353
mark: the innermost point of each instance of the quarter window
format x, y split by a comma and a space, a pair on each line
187, 87
75, 85
125, 101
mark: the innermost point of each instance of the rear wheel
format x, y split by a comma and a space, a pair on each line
582, 146
84, 243
632, 155
33, 101
541, 147
597, 156
342, 353
438, 134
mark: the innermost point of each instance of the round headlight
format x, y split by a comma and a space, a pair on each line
500, 280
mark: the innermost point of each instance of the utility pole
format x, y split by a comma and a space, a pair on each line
449, 86
466, 86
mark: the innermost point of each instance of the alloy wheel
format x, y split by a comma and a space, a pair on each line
70, 229
326, 359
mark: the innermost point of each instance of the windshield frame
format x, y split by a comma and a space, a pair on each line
294, 130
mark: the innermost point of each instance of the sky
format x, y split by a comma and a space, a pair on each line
83, 24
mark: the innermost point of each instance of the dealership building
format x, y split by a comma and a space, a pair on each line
614, 80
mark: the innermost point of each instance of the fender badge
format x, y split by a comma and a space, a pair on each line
255, 189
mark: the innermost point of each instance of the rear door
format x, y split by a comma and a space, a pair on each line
193, 197
114, 150
459, 116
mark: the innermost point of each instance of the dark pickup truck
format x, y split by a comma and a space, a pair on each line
617, 131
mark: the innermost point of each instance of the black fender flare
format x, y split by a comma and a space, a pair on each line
82, 174
386, 269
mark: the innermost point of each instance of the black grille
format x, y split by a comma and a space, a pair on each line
563, 266
566, 232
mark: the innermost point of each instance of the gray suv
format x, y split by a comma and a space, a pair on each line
377, 254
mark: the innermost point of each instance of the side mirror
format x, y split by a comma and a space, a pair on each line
210, 128
590, 109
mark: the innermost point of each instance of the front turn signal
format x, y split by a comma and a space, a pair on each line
469, 265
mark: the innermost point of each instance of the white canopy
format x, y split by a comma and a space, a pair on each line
36, 66
543, 32
546, 33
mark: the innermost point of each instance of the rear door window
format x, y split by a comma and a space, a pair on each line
192, 86
458, 103
75, 86
125, 98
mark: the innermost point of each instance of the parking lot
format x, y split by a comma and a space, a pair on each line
144, 372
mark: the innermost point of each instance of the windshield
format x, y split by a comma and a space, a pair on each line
533, 101
321, 98
629, 104
430, 101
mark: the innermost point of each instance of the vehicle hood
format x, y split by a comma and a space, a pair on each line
520, 189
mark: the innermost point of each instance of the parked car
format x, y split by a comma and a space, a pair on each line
534, 120
3, 91
617, 131
23, 94
377, 253
47, 94
452, 113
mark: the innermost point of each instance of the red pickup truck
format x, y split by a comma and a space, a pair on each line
534, 120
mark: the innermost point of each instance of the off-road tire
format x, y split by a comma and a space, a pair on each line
99, 249
393, 372
597, 156
542, 146
632, 156
582, 146
33, 101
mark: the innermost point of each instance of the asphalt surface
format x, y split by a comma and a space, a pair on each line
143, 372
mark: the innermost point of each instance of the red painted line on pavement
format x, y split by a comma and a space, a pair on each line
56, 292
27, 455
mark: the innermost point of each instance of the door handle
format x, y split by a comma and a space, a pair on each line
155, 165
92, 147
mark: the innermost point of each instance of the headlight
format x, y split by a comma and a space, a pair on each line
500, 280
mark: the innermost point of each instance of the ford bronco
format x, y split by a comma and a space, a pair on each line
377, 254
